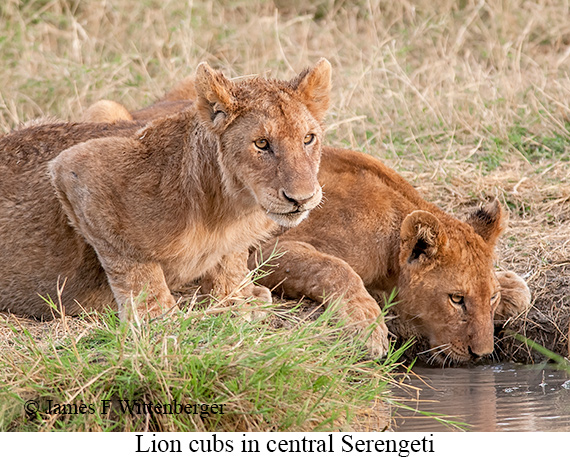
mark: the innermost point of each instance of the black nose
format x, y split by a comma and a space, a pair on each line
298, 200
473, 354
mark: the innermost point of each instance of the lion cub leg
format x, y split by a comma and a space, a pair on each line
137, 282
515, 296
126, 277
303, 271
228, 279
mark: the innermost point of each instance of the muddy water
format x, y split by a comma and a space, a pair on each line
504, 397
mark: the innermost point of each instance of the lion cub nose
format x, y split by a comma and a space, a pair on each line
473, 354
298, 200
479, 352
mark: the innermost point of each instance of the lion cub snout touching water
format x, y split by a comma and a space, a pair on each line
131, 210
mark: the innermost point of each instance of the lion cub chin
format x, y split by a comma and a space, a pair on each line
129, 211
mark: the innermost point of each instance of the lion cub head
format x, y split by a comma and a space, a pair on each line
269, 135
448, 290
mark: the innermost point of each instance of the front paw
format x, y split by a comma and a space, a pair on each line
377, 343
364, 318
254, 296
147, 308
262, 294
515, 296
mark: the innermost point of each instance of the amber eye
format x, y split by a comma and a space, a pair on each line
457, 299
309, 138
262, 144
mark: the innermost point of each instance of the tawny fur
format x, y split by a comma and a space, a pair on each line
121, 210
373, 233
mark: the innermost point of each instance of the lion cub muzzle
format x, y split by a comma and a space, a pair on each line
298, 200
299, 207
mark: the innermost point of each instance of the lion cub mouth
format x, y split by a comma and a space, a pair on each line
289, 219
295, 214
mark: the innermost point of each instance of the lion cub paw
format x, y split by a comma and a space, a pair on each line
260, 295
515, 296
364, 318
147, 310
247, 301
377, 343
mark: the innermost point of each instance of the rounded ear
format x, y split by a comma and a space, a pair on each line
214, 95
422, 237
314, 86
488, 221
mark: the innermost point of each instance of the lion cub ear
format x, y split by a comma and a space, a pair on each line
314, 87
214, 95
422, 237
488, 221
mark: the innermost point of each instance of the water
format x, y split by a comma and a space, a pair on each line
504, 397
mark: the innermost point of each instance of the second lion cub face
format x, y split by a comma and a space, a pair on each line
269, 141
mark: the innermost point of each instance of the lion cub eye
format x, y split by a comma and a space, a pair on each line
495, 297
261, 144
309, 138
457, 300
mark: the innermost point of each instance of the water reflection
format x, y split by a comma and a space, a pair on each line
505, 397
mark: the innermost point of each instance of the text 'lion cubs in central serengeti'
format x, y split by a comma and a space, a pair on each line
127, 210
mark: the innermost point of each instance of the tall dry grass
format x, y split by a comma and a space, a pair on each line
452, 70
465, 98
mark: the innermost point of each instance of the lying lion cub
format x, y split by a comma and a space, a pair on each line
129, 211
373, 234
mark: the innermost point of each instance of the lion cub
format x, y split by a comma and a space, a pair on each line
95, 212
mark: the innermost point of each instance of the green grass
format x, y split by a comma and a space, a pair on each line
309, 377
535, 146
531, 147
561, 363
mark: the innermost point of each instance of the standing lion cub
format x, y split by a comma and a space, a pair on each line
122, 211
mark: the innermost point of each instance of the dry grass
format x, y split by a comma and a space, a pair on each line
466, 99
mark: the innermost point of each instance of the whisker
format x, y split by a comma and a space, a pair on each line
445, 345
440, 349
